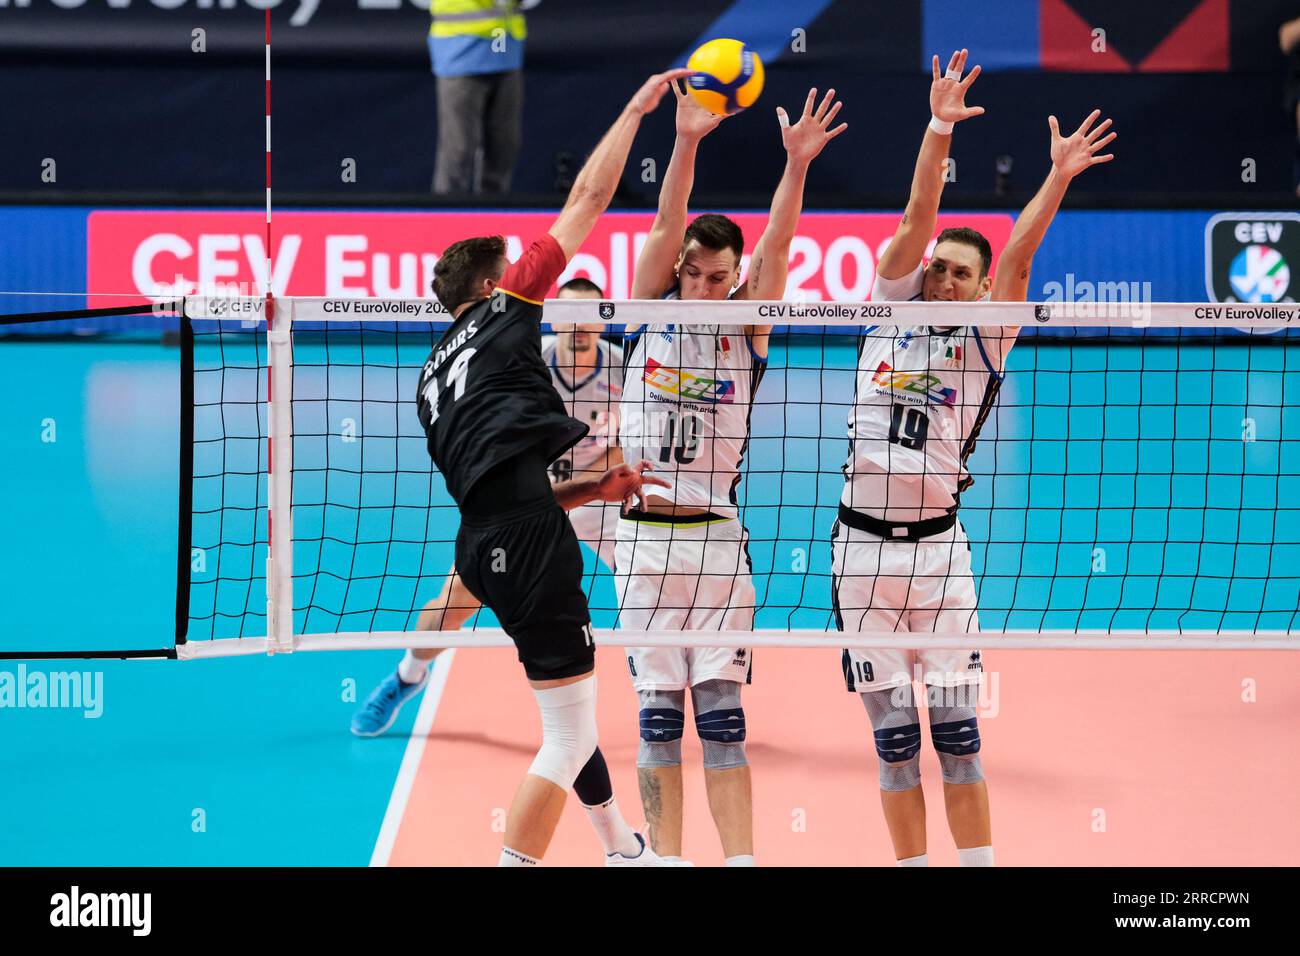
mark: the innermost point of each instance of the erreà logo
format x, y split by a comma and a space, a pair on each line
607, 310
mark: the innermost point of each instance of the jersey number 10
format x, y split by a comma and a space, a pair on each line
681, 438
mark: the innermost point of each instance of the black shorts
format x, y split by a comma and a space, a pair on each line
527, 567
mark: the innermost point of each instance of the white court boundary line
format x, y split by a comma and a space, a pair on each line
411, 759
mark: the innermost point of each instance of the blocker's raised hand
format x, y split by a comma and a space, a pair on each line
948, 91
1073, 154
806, 138
653, 90
693, 120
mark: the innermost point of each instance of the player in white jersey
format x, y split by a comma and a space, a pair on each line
588, 374
682, 560
900, 557
587, 371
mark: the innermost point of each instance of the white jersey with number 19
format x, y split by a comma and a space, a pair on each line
923, 395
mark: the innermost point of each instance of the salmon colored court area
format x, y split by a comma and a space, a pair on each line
1094, 758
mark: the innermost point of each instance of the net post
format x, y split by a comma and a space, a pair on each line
279, 561
185, 516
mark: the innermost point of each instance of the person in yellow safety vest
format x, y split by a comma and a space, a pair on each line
477, 49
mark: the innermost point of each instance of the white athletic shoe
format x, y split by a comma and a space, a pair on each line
647, 857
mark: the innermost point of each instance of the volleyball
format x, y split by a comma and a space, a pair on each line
728, 76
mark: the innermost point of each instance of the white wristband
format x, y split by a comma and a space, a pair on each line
942, 127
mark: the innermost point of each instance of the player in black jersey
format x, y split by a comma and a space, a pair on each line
494, 424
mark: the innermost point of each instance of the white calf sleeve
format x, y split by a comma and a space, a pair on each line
568, 731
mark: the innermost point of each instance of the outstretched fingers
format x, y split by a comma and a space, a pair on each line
810, 102
1101, 144
1092, 118
821, 115
1101, 128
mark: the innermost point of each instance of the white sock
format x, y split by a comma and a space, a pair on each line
922, 860
976, 856
411, 670
614, 833
511, 857
746, 859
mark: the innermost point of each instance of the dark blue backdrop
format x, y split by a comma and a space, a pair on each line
120, 101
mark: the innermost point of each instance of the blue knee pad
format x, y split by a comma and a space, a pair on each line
662, 724
720, 722
896, 727
956, 736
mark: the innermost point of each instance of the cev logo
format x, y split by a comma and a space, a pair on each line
1257, 231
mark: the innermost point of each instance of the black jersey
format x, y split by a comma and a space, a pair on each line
485, 395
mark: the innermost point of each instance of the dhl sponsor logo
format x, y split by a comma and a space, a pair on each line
915, 383
688, 385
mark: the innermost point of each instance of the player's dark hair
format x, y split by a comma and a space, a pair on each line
716, 232
970, 237
459, 274
581, 284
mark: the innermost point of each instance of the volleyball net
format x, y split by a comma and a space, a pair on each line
1136, 482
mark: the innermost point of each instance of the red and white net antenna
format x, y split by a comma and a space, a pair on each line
270, 299
279, 455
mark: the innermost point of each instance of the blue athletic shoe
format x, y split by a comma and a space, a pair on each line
382, 706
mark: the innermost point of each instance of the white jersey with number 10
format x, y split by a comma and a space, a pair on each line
687, 397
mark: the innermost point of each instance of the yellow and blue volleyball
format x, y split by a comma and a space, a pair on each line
728, 76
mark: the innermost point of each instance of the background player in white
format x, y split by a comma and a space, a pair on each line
901, 560
588, 374
682, 559
587, 371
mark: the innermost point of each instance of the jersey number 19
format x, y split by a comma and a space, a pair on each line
908, 426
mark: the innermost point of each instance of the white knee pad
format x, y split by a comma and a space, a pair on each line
568, 731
